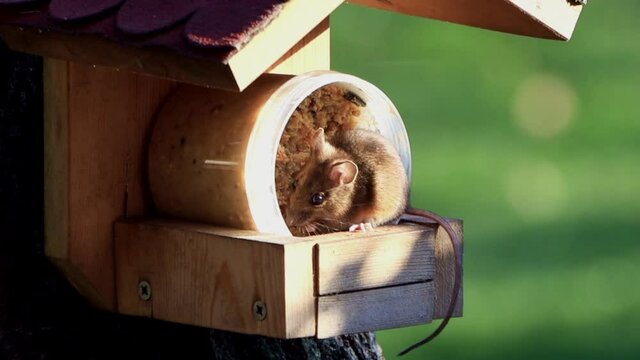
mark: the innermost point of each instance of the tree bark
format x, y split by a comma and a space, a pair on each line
42, 317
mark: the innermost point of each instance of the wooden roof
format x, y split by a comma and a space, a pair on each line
218, 43
200, 28
229, 43
549, 19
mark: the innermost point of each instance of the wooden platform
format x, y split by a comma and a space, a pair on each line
283, 287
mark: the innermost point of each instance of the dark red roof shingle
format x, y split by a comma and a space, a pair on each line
142, 17
212, 29
76, 10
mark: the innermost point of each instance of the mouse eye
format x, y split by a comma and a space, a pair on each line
317, 198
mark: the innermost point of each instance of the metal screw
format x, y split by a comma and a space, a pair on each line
259, 310
144, 290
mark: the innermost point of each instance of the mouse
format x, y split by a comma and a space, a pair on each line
355, 181
351, 182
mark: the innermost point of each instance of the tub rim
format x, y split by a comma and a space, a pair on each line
260, 157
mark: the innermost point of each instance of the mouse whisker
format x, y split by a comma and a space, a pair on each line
327, 227
340, 224
311, 228
333, 228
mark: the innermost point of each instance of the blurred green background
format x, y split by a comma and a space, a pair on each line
536, 145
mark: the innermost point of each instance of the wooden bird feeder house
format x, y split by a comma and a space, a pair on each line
162, 120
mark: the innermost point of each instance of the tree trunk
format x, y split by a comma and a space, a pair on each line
42, 317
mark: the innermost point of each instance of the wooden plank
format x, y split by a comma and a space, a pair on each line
313, 52
94, 50
208, 229
150, 94
559, 16
381, 260
209, 276
296, 20
95, 144
299, 289
551, 19
110, 115
200, 278
300, 309
444, 261
376, 309
445, 271
56, 158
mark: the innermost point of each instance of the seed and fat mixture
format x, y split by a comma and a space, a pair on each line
332, 108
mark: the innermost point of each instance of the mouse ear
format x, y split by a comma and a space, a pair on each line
343, 172
318, 141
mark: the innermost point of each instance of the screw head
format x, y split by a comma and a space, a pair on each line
144, 290
259, 310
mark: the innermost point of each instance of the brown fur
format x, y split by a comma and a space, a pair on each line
377, 194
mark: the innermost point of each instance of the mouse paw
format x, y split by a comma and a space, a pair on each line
364, 227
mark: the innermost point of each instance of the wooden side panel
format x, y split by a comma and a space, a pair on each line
95, 50
313, 52
444, 270
552, 19
557, 15
444, 262
343, 262
56, 157
401, 257
296, 20
95, 166
377, 309
299, 289
200, 278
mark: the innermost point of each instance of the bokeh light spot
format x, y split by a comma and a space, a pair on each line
544, 105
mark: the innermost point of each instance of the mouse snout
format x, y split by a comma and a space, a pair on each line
296, 218
290, 219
